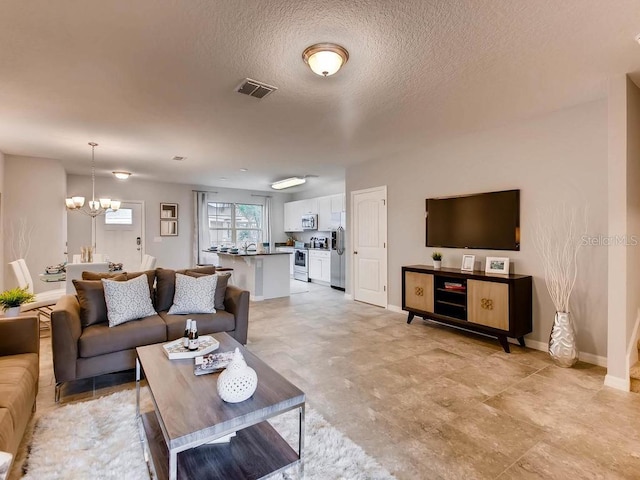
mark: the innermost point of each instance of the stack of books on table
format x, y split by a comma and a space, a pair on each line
454, 286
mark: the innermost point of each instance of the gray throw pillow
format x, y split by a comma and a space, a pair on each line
194, 294
128, 300
221, 286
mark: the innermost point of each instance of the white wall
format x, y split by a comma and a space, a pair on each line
2, 229
633, 209
34, 190
170, 252
624, 224
561, 157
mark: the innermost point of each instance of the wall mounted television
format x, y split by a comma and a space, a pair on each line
488, 221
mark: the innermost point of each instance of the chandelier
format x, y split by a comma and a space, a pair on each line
96, 207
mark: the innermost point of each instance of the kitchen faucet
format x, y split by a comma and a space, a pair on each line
245, 246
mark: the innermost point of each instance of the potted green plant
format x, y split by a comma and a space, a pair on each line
437, 260
10, 300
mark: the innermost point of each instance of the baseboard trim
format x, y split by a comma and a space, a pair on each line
537, 345
593, 359
395, 308
585, 357
617, 382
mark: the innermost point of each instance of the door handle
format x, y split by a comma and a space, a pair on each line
355, 253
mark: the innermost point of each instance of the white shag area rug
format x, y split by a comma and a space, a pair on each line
99, 439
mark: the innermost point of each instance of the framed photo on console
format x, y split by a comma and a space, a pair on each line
468, 262
497, 265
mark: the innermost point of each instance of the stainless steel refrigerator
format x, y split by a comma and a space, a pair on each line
338, 261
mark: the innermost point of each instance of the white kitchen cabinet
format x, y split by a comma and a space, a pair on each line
324, 213
293, 216
320, 266
309, 206
338, 203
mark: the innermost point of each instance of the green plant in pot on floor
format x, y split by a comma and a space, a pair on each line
437, 259
10, 300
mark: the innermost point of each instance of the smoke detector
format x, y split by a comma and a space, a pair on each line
254, 88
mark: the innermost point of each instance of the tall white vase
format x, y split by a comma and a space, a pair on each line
563, 347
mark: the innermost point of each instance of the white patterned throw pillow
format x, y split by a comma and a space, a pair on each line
194, 294
5, 463
128, 300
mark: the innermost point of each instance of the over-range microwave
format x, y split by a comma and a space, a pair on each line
310, 222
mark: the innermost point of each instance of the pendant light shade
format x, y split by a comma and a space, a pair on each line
96, 207
325, 59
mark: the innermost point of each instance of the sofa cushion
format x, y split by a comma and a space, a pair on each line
151, 277
101, 275
166, 284
207, 323
93, 308
18, 380
7, 431
194, 294
126, 301
100, 339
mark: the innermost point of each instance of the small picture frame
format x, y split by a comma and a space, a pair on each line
497, 265
168, 211
468, 262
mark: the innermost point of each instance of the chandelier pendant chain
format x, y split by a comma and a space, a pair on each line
93, 172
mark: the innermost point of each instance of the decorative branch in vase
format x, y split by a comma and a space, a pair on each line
558, 239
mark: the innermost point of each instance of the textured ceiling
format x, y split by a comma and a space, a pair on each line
151, 79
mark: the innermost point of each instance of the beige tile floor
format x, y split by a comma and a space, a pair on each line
427, 401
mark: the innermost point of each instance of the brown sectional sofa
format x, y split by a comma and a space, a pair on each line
19, 372
88, 351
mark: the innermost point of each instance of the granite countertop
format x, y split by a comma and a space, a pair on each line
251, 253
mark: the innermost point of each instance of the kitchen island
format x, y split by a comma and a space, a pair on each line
264, 275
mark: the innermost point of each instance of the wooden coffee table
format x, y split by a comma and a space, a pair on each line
188, 413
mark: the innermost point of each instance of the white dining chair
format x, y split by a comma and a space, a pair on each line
74, 272
148, 263
44, 300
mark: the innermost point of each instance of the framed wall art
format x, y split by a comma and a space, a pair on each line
169, 211
168, 219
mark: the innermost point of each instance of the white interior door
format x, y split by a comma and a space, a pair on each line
369, 209
119, 235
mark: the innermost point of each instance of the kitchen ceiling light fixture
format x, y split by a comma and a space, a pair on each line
325, 58
288, 183
120, 175
76, 204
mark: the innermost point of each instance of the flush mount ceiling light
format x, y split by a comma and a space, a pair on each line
122, 175
288, 183
325, 58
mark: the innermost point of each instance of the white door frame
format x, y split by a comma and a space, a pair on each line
142, 226
353, 193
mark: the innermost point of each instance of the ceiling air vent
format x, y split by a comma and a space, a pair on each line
256, 89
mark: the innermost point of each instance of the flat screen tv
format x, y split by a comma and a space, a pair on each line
485, 220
